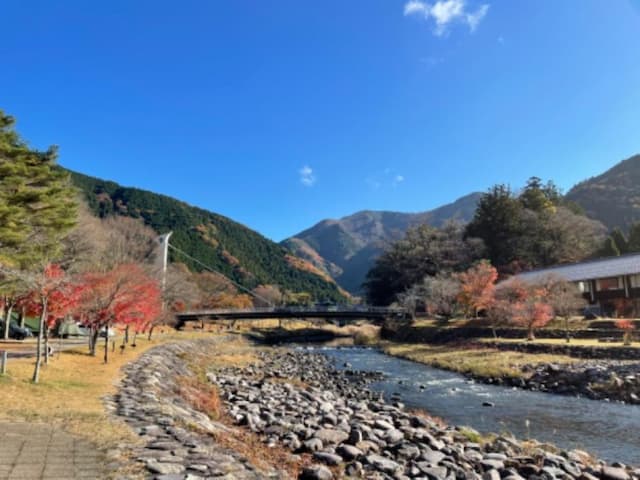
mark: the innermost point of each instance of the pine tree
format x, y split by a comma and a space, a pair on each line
620, 241
37, 209
609, 249
633, 240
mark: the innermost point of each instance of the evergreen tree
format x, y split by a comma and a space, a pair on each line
499, 222
619, 239
37, 209
37, 202
633, 240
609, 249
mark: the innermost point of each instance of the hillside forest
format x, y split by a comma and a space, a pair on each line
92, 255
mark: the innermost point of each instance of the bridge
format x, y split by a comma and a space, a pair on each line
340, 313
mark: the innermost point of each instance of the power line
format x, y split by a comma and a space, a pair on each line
241, 287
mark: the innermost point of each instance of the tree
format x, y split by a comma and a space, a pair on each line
539, 197
498, 222
56, 296
620, 240
267, 296
564, 298
477, 287
527, 304
410, 299
424, 251
124, 296
633, 240
609, 248
535, 229
37, 209
441, 294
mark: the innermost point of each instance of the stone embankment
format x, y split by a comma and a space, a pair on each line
299, 400
177, 441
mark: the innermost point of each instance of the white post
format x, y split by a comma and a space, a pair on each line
163, 240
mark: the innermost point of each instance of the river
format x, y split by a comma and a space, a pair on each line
610, 431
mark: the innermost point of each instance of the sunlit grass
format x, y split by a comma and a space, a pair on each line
484, 362
583, 342
71, 390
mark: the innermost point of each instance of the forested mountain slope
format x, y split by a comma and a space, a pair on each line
346, 248
227, 246
612, 197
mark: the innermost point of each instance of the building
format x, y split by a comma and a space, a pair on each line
606, 283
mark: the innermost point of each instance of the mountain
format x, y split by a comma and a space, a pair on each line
613, 197
220, 243
346, 248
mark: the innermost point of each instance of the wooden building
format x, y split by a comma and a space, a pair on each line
608, 284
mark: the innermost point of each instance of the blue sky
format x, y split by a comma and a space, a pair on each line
281, 113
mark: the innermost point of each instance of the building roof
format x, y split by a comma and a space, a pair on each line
600, 268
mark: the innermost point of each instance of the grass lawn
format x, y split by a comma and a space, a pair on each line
71, 389
484, 362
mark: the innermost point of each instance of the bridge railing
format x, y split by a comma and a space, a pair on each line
302, 310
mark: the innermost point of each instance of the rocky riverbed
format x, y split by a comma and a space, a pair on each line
328, 420
299, 400
596, 379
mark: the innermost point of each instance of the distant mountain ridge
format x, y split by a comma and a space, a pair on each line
346, 248
219, 242
612, 197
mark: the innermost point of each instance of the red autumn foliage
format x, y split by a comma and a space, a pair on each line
62, 296
477, 287
625, 324
124, 296
528, 306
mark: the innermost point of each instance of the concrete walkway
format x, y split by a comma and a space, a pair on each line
30, 451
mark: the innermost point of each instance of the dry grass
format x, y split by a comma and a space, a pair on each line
204, 396
592, 342
479, 361
71, 389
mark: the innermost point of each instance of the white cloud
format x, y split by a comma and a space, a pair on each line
474, 19
397, 180
414, 6
307, 177
445, 12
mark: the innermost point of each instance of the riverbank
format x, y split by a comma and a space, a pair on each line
220, 406
299, 400
597, 379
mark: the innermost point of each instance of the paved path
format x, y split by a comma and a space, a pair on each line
30, 451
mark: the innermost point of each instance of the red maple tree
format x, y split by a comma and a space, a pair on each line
528, 306
125, 296
477, 287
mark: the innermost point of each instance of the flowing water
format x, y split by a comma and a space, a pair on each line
611, 431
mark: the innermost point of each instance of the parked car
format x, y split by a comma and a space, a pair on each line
16, 331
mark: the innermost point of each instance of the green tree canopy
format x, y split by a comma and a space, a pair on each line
424, 251
37, 202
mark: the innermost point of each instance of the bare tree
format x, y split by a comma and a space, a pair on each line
565, 299
440, 294
411, 299
267, 296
